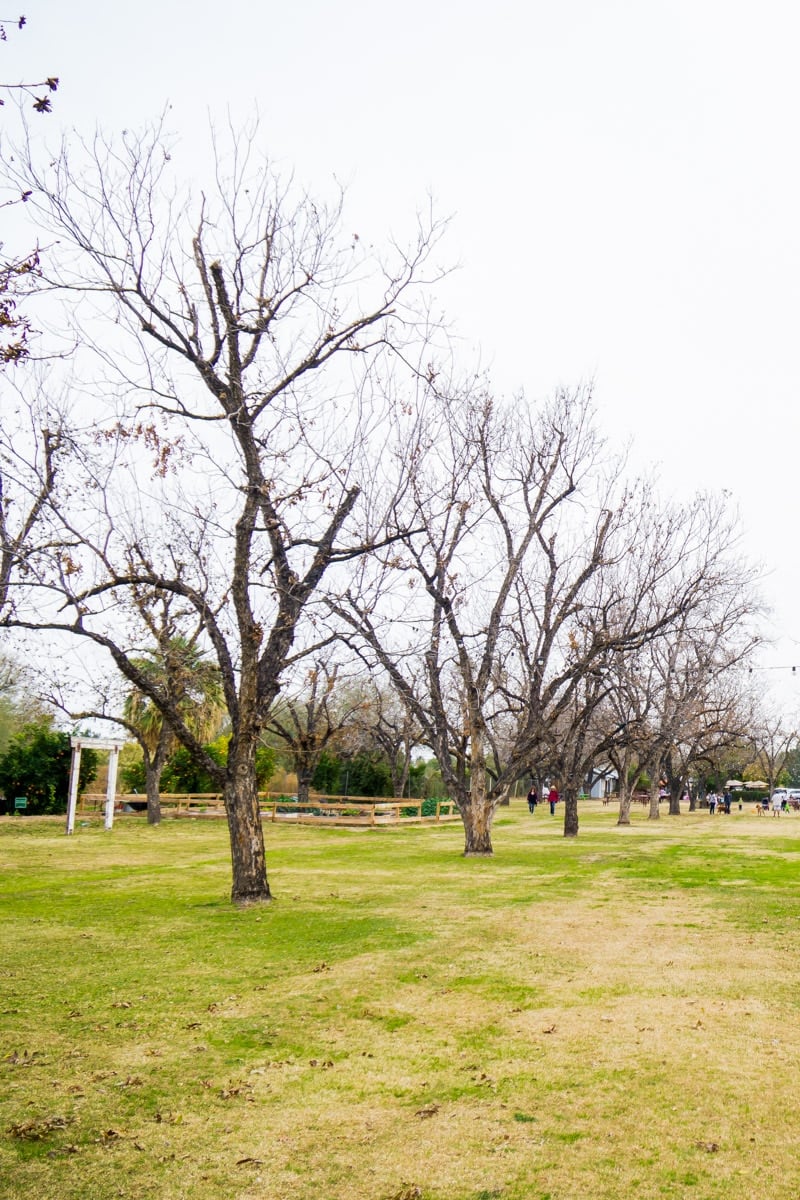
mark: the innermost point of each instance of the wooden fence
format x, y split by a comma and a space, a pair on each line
320, 810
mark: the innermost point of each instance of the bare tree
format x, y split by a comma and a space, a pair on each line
530, 567
308, 716
682, 694
719, 725
235, 376
483, 484
773, 737
385, 721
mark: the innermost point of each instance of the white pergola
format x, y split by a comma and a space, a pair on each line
114, 745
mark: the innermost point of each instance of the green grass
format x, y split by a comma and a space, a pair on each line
611, 1016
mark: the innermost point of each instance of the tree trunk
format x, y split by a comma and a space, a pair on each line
654, 813
248, 858
152, 775
625, 798
153, 767
477, 829
675, 800
303, 785
400, 766
570, 799
477, 812
626, 782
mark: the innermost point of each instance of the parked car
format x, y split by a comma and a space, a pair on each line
790, 795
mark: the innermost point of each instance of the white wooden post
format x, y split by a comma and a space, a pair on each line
74, 772
111, 789
95, 743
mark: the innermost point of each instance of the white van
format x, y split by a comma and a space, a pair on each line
787, 794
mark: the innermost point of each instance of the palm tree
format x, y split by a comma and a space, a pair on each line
192, 683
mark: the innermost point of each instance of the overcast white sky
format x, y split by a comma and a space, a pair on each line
622, 175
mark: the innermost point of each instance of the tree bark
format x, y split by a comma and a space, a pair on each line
477, 812
153, 767
152, 775
570, 799
477, 829
654, 814
248, 857
625, 798
303, 786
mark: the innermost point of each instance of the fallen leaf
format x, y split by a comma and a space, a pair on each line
26, 1059
37, 1128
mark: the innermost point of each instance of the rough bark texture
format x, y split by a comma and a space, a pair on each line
477, 828
654, 813
570, 799
625, 798
152, 784
248, 857
153, 767
303, 787
477, 808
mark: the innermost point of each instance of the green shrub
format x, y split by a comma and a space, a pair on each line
36, 765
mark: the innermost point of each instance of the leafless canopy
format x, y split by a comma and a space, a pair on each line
236, 358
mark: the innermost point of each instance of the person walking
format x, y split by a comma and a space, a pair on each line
533, 798
776, 805
552, 799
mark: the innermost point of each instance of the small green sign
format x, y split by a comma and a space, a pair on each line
20, 803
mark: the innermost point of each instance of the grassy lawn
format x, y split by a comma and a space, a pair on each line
611, 1017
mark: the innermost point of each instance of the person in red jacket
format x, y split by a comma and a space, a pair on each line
552, 799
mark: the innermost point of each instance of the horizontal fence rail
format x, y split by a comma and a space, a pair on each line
318, 810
